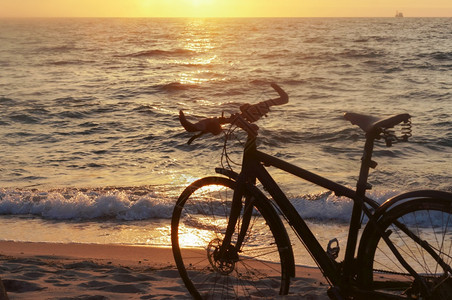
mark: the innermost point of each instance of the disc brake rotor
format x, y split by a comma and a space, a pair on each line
221, 263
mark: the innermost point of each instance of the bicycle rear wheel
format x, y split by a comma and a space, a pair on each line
263, 265
408, 226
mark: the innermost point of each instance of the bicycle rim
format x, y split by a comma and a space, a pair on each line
258, 269
430, 221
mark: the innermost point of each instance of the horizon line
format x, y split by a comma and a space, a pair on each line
227, 17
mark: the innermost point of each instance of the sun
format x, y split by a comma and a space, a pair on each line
201, 8
200, 2
182, 8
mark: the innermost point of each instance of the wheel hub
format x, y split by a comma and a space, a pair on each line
223, 263
443, 288
439, 288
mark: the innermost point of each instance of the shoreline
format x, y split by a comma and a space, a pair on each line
129, 255
95, 271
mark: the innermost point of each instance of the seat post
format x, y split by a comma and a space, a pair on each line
366, 164
361, 187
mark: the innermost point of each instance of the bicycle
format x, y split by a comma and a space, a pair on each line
404, 250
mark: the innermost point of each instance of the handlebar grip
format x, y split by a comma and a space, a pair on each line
254, 112
210, 125
283, 97
190, 127
249, 114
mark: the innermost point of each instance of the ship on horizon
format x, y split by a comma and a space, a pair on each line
399, 14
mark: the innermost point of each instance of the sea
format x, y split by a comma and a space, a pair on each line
92, 151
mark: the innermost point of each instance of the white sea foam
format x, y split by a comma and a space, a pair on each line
77, 205
125, 204
327, 206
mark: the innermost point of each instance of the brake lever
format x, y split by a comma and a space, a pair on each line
194, 138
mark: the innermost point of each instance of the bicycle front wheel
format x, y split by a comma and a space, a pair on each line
262, 265
412, 226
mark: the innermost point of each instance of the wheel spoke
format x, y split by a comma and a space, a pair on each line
421, 232
217, 270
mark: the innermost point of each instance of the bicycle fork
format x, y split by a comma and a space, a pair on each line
239, 191
228, 250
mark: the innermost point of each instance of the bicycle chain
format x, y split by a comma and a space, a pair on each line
391, 272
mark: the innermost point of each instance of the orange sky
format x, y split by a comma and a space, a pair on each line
224, 8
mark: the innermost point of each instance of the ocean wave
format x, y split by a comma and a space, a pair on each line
318, 136
6, 101
75, 101
70, 62
437, 55
376, 38
159, 53
176, 86
442, 55
141, 203
71, 114
24, 118
324, 56
261, 82
362, 53
151, 111
327, 206
445, 142
75, 204
56, 49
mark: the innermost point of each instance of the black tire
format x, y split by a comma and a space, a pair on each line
262, 267
431, 221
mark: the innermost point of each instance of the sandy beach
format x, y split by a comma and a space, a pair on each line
92, 271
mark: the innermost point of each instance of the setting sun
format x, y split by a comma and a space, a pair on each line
200, 2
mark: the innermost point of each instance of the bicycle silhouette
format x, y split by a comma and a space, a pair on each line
242, 248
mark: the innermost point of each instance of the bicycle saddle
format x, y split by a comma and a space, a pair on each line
373, 124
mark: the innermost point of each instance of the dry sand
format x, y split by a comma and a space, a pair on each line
91, 271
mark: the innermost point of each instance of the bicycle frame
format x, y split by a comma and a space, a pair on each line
253, 168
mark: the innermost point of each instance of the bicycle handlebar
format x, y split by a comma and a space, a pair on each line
249, 114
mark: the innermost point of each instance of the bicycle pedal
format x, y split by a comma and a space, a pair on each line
333, 249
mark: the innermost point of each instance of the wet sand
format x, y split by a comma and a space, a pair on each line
93, 271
